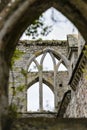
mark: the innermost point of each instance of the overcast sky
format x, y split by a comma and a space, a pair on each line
59, 32
60, 29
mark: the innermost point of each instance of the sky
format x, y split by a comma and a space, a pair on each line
60, 29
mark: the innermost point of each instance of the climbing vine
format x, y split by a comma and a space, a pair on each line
17, 54
13, 107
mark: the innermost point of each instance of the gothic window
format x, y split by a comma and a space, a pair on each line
39, 58
47, 66
62, 68
33, 98
48, 98
33, 68
48, 63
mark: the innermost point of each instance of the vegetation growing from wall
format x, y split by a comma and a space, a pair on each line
13, 107
17, 54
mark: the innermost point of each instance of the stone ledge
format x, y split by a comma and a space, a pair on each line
43, 42
38, 114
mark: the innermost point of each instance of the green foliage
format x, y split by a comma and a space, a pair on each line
23, 72
38, 27
12, 111
12, 115
14, 92
13, 108
17, 54
20, 88
39, 40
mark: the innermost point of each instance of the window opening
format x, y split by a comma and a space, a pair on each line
60, 25
48, 98
33, 98
39, 58
57, 61
61, 85
32, 67
62, 68
48, 63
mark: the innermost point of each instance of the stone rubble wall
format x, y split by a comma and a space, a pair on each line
78, 105
47, 123
29, 48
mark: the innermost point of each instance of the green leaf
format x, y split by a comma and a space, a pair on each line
20, 88
17, 54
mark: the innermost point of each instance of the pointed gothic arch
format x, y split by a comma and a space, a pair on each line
16, 20
33, 83
45, 81
35, 7
58, 55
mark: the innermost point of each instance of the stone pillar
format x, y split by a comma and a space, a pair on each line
55, 88
56, 66
81, 43
40, 91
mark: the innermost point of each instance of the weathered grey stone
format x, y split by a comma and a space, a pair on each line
53, 79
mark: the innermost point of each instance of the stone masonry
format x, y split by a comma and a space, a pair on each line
66, 52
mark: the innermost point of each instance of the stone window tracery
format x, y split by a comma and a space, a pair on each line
38, 63
33, 98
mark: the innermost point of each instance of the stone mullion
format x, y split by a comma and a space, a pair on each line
55, 87
42, 59
41, 83
40, 91
55, 83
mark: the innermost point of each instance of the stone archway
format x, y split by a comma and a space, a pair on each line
59, 55
23, 20
45, 81
14, 20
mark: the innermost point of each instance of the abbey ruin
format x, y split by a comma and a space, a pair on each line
69, 87
62, 83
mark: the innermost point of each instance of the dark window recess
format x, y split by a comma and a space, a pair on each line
60, 85
72, 66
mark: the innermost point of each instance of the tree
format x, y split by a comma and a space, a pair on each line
38, 27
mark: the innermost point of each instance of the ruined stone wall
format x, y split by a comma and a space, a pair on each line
78, 104
29, 48
33, 47
78, 81
48, 79
43, 123
77, 107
